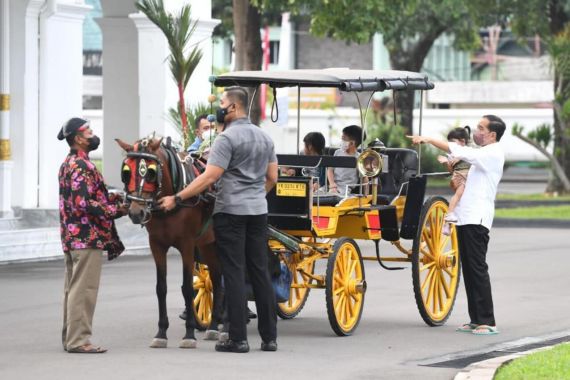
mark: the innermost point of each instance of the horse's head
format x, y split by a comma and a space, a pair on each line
143, 174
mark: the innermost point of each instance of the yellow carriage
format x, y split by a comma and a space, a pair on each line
306, 226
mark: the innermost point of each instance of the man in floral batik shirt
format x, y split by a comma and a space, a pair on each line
87, 214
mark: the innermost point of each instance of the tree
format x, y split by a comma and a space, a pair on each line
178, 30
409, 28
551, 21
248, 53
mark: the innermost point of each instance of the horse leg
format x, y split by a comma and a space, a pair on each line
189, 340
159, 255
208, 252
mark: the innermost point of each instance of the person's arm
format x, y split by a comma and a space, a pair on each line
201, 183
271, 176
84, 201
330, 176
440, 144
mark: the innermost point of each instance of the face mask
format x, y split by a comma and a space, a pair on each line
221, 114
93, 143
344, 145
478, 138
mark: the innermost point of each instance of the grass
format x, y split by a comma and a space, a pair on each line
548, 365
541, 212
532, 197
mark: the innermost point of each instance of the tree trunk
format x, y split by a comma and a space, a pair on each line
411, 59
248, 53
558, 20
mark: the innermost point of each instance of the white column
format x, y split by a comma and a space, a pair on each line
6, 163
61, 87
380, 55
120, 91
153, 77
24, 98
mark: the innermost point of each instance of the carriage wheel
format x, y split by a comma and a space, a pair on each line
435, 264
297, 296
203, 297
345, 287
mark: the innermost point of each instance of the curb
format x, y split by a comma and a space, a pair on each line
486, 369
531, 223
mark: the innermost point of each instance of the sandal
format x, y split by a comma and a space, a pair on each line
87, 349
485, 330
468, 327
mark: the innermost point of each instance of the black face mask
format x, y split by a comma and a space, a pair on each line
221, 114
93, 143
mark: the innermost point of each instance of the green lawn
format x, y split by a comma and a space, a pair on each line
545, 365
532, 197
542, 212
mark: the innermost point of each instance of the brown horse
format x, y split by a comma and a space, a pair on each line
150, 171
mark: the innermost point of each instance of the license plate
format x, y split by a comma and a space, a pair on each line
291, 189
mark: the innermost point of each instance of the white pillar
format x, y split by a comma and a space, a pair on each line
6, 163
153, 77
61, 87
120, 91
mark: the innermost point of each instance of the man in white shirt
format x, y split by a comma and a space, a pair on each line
475, 213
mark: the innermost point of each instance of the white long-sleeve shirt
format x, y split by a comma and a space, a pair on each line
477, 204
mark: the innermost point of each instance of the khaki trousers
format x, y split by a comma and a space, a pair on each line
82, 274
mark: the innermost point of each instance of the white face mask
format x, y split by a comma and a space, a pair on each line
344, 145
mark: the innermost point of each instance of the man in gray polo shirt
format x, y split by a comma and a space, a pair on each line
243, 162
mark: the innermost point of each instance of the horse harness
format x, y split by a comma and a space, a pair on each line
150, 169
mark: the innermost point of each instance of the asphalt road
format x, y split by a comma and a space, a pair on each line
529, 271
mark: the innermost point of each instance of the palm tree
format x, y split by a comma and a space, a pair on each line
177, 29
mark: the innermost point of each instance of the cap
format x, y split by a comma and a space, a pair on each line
72, 126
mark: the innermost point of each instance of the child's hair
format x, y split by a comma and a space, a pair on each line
354, 132
460, 134
316, 140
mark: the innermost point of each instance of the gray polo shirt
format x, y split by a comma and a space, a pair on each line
243, 150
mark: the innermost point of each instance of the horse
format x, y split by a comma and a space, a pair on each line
150, 171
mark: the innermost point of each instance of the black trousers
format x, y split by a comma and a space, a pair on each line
473, 241
241, 243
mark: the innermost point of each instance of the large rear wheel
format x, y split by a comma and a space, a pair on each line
435, 264
298, 296
345, 287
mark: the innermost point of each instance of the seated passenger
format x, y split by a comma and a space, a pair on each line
202, 128
340, 178
314, 146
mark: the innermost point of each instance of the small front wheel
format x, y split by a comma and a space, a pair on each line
345, 287
203, 297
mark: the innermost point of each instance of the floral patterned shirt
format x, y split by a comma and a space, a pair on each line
86, 211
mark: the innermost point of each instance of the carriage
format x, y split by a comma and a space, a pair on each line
389, 206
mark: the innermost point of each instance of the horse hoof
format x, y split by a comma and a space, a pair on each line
211, 335
159, 343
224, 336
188, 343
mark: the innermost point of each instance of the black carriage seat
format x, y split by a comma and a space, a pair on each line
326, 161
402, 165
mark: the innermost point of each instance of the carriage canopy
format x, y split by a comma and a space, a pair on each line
342, 78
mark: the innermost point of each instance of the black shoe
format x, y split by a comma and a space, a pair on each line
251, 314
240, 346
183, 315
269, 346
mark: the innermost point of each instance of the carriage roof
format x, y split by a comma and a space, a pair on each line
342, 78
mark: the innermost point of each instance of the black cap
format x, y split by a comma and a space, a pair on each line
71, 127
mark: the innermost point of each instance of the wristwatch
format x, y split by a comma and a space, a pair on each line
177, 199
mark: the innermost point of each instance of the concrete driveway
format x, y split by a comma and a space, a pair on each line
529, 272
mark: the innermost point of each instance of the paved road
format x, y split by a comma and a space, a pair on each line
529, 269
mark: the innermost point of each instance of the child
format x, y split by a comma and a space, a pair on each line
314, 146
459, 170
340, 178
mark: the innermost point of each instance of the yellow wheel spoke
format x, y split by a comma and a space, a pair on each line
444, 242
298, 293
439, 293
348, 313
433, 288
451, 252
427, 254
444, 285
338, 291
352, 268
426, 266
348, 264
448, 271
427, 279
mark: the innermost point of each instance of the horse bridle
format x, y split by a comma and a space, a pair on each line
142, 168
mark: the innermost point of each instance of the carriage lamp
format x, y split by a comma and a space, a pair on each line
370, 164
